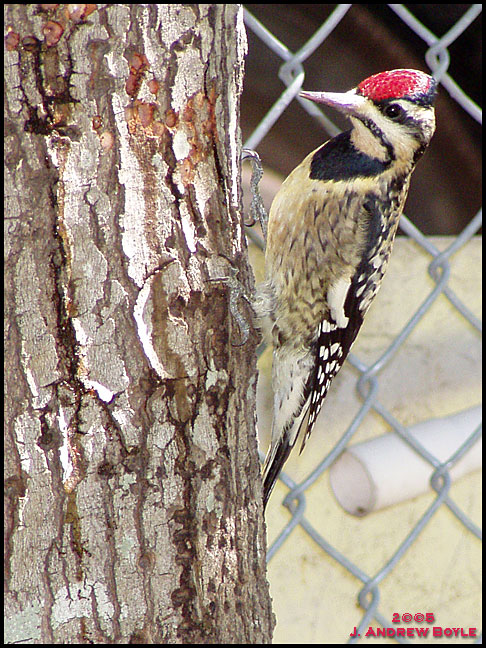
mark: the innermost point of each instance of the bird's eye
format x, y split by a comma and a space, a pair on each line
393, 111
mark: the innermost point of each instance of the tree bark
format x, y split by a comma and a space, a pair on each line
133, 498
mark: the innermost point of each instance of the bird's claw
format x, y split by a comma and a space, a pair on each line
236, 291
257, 209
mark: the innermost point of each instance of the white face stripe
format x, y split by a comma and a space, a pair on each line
402, 139
336, 296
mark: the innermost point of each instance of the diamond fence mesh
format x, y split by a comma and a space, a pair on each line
366, 586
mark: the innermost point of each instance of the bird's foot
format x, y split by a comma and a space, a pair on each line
237, 292
257, 209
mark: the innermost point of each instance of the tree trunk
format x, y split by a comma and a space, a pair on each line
133, 499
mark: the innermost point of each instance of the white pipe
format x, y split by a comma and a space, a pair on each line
384, 471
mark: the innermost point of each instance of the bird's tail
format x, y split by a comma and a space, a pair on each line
276, 457
278, 454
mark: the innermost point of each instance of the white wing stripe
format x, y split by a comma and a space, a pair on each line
336, 296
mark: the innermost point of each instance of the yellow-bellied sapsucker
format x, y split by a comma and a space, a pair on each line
330, 233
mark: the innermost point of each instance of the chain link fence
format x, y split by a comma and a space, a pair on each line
369, 594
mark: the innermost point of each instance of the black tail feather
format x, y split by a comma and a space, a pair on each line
273, 465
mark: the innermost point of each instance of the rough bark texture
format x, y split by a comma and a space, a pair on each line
132, 481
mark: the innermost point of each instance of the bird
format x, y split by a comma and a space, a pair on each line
331, 228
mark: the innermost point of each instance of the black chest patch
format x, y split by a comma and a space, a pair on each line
338, 159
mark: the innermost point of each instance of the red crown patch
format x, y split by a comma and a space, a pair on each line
395, 84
